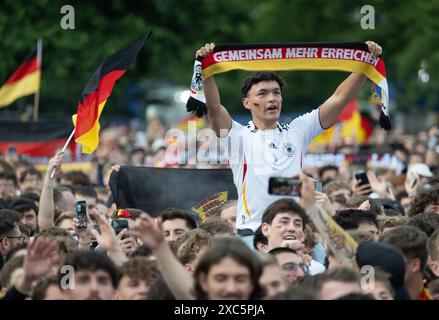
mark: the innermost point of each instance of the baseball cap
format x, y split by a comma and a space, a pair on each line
420, 169
387, 258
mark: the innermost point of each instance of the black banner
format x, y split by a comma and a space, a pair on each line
155, 189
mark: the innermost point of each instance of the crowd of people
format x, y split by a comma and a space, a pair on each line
365, 236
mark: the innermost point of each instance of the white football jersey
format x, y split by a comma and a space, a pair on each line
256, 155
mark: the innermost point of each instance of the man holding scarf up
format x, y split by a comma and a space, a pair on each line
264, 147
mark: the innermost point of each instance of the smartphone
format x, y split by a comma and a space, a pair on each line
288, 186
119, 225
81, 214
362, 177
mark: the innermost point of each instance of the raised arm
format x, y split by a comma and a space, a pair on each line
345, 92
177, 278
46, 208
336, 238
218, 116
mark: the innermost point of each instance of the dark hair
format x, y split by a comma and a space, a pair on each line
8, 175
92, 261
142, 251
422, 200
32, 172
259, 238
284, 205
401, 194
235, 249
355, 202
173, 213
159, 291
87, 191
276, 251
352, 218
8, 221
22, 204
323, 169
40, 288
76, 178
260, 76
410, 240
32, 195
427, 222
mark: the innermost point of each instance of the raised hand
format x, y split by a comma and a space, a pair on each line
205, 51
107, 237
39, 260
149, 231
323, 200
54, 164
307, 191
374, 48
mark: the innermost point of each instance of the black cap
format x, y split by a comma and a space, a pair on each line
387, 258
23, 203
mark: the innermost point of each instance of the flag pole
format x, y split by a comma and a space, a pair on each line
63, 150
37, 94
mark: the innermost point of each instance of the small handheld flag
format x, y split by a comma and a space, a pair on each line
96, 93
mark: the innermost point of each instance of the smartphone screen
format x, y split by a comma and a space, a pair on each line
119, 225
318, 186
284, 186
81, 214
362, 177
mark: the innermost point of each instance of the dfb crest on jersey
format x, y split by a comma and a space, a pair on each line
289, 149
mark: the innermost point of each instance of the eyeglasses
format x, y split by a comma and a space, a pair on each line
22, 238
291, 266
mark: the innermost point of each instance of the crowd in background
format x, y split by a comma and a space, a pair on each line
392, 219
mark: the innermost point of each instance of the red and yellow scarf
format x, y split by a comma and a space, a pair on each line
350, 57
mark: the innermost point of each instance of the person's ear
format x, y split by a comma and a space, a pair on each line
265, 228
262, 247
189, 267
415, 265
4, 244
246, 103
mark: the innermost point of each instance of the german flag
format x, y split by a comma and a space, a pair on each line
40, 139
350, 124
97, 91
23, 81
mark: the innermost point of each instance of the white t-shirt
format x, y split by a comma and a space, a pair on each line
256, 155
